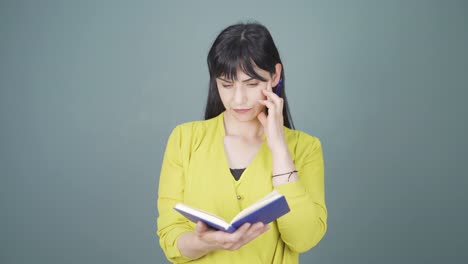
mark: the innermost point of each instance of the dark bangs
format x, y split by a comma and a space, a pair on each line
228, 62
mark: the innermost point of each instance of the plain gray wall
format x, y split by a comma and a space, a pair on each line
90, 91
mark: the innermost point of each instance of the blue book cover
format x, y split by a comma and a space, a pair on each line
266, 210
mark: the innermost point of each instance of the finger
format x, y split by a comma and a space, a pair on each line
263, 229
278, 101
272, 107
268, 104
241, 230
255, 231
275, 98
237, 237
280, 104
262, 118
255, 228
269, 86
201, 227
217, 238
268, 93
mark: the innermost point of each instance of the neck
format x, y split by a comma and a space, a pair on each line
247, 129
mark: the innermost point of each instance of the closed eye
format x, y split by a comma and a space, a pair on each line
252, 84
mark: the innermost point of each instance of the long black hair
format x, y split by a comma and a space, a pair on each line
243, 46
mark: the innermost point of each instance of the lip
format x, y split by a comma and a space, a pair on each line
242, 110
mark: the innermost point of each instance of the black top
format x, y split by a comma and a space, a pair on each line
237, 173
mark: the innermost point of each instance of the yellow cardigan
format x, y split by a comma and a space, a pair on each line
195, 171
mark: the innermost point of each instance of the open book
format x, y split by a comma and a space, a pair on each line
265, 210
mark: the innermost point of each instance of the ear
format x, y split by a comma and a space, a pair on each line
277, 75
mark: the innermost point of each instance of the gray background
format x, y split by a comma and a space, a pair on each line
90, 91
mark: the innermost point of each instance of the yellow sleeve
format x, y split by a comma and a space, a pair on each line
305, 225
170, 224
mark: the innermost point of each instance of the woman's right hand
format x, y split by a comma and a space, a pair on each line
216, 240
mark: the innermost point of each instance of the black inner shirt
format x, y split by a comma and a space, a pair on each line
236, 173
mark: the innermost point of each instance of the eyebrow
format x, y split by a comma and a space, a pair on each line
246, 80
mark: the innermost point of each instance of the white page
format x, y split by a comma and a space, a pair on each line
203, 214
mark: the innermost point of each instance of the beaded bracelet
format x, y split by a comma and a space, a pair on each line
290, 173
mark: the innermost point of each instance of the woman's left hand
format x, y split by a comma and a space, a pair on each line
273, 123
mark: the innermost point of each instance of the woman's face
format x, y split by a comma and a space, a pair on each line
240, 97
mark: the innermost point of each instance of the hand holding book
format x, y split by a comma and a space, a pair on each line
215, 239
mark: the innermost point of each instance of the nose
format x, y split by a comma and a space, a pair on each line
239, 94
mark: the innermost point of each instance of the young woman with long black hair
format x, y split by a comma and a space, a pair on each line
245, 148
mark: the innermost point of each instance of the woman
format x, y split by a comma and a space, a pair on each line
245, 148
